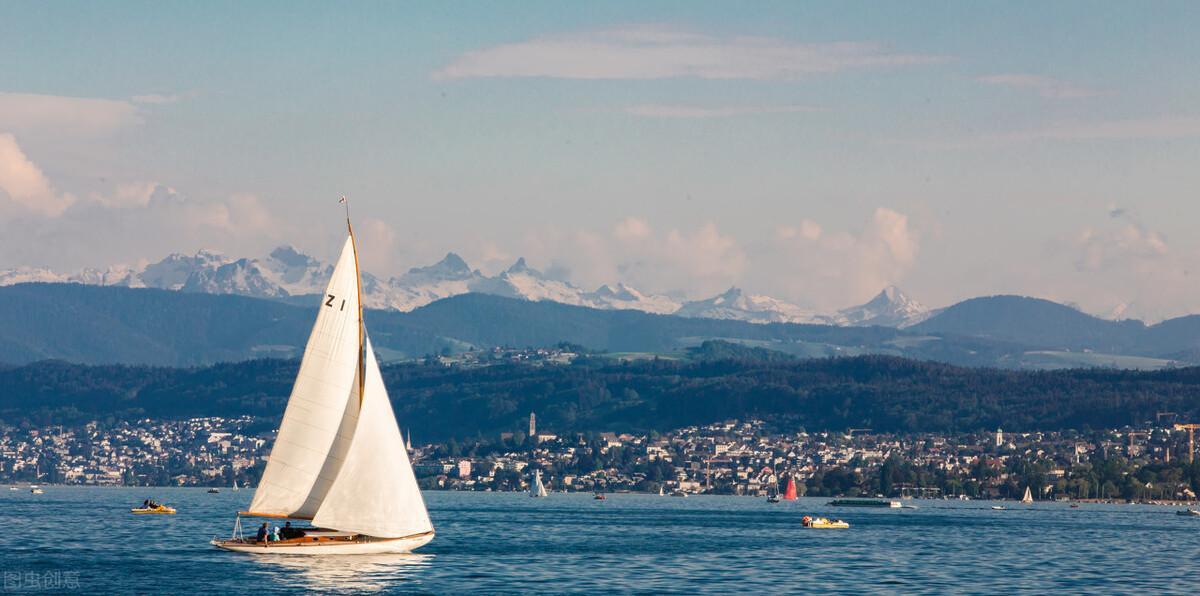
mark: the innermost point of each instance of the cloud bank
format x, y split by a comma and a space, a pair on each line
644, 52
689, 112
71, 116
802, 263
1043, 86
24, 183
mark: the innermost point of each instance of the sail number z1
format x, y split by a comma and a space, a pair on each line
329, 302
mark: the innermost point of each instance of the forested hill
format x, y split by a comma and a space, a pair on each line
877, 392
112, 325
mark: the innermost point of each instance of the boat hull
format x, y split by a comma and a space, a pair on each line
367, 546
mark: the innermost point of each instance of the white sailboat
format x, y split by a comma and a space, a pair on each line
339, 460
537, 489
1028, 498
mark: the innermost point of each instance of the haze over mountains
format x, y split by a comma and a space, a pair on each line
287, 273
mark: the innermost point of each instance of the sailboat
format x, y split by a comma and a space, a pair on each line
339, 460
1028, 498
790, 494
537, 489
235, 486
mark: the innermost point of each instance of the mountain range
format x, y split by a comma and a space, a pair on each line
287, 273
105, 325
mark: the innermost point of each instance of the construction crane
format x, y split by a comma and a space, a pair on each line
1132, 434
1191, 428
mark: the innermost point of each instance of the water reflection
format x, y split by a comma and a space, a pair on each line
350, 573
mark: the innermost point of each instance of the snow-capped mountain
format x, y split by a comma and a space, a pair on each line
172, 273
287, 272
737, 305
25, 275
890, 308
623, 297
523, 281
421, 285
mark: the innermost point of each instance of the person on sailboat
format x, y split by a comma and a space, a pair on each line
261, 536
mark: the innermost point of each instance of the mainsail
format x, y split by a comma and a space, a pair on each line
790, 494
320, 418
537, 489
339, 458
376, 491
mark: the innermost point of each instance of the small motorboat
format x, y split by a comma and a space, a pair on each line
156, 510
773, 499
1074, 505
13, 488
999, 507
823, 523
1189, 513
678, 493
37, 491
599, 497
214, 491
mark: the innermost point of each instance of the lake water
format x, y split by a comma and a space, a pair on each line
85, 539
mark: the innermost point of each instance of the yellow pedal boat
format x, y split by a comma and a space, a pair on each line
160, 510
821, 522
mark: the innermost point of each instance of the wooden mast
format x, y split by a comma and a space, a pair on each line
362, 354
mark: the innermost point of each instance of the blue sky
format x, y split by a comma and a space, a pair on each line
814, 152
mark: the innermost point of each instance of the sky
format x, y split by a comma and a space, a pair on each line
814, 152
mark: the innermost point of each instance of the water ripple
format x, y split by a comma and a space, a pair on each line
509, 543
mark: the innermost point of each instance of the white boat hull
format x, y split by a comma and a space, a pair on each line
358, 547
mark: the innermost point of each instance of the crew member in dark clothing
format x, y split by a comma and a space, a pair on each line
288, 532
262, 533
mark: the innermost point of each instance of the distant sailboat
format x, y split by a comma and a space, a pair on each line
1028, 498
660, 491
235, 486
790, 494
537, 489
339, 459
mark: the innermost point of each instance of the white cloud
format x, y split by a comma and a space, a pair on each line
1131, 129
377, 242
1128, 244
70, 116
802, 263
686, 111
156, 98
25, 184
831, 270
701, 261
1109, 266
1043, 86
656, 52
632, 229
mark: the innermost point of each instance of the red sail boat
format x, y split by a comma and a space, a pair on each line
790, 494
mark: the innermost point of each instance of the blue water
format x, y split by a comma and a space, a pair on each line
496, 543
